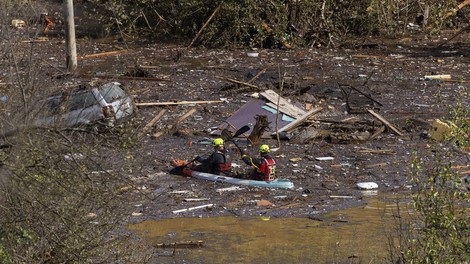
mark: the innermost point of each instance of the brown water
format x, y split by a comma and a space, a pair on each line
357, 235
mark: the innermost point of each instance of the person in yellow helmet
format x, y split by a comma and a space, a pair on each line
218, 162
264, 168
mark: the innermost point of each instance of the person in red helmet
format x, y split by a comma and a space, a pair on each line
264, 168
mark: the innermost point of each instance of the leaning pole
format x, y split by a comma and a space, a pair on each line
71, 49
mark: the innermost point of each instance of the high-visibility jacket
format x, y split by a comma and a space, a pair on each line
264, 167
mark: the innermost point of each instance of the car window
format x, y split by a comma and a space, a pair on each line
82, 100
54, 104
112, 92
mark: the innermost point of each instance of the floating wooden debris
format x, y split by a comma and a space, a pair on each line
383, 120
170, 129
195, 199
182, 244
324, 158
180, 192
229, 189
237, 82
152, 122
193, 208
178, 103
377, 151
300, 119
342, 197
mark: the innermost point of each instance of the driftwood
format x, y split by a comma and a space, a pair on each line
235, 81
306, 135
300, 120
170, 129
383, 120
182, 244
150, 79
344, 138
377, 151
178, 103
361, 92
377, 132
258, 130
193, 208
152, 122
257, 75
99, 55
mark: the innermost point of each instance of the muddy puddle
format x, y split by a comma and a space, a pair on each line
356, 235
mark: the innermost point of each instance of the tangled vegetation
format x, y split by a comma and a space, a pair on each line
438, 232
266, 23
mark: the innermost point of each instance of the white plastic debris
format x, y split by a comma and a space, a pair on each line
367, 185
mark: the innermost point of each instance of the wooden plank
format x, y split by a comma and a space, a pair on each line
238, 82
284, 106
171, 127
300, 120
178, 103
383, 120
150, 79
103, 54
152, 122
193, 208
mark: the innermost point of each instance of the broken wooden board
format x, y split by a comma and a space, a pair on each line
152, 122
306, 135
383, 120
174, 125
284, 105
178, 103
103, 54
300, 120
237, 82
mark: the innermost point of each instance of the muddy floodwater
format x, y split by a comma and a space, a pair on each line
356, 235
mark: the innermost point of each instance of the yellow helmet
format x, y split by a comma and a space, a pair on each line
218, 142
264, 149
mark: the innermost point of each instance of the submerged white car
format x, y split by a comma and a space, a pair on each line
102, 105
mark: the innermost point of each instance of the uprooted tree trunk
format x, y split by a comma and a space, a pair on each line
258, 130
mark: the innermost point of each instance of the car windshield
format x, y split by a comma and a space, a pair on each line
75, 101
112, 92
82, 100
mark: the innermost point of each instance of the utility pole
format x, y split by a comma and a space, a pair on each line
71, 49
